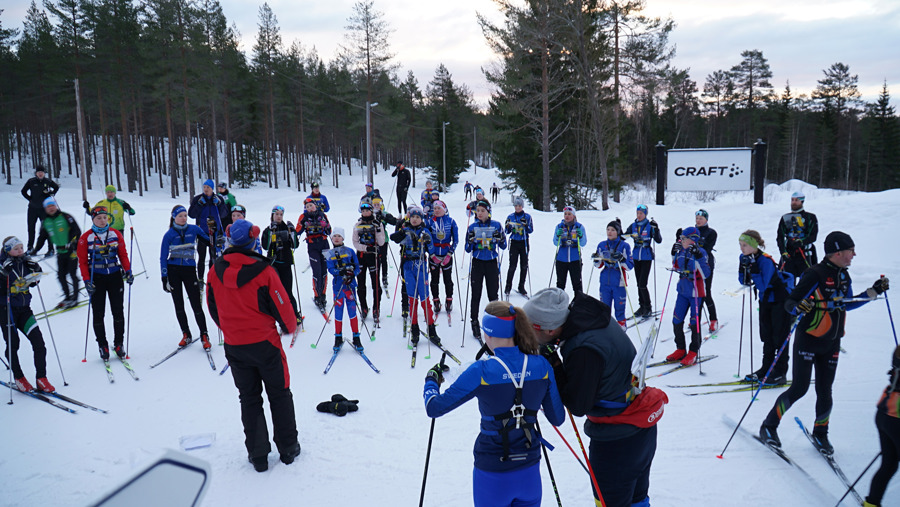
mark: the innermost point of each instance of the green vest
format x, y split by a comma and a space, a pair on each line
58, 230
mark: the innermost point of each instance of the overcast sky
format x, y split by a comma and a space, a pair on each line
800, 38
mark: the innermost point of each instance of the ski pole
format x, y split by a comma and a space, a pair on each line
133, 237
297, 287
9, 336
721, 455
371, 335
587, 460
741, 338
890, 316
549, 469
52, 340
653, 267
528, 271
128, 318
662, 312
590, 279
427, 453
553, 269
577, 457
750, 336
314, 345
87, 326
849, 489
700, 334
466, 304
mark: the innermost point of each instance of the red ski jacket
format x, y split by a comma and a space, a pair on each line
246, 299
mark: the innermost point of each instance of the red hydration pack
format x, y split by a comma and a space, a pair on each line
644, 411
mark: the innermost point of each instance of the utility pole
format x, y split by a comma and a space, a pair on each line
369, 164
444, 133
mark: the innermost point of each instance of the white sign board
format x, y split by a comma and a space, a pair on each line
713, 169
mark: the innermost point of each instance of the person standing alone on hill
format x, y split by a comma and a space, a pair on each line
403, 181
796, 238
249, 304
35, 190
495, 193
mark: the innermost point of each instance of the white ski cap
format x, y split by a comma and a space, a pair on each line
338, 231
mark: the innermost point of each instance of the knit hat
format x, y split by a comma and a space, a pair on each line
439, 203
617, 225
338, 231
243, 233
548, 308
110, 188
837, 241
99, 210
571, 210
50, 200
415, 210
10, 243
518, 201
314, 184
798, 195
370, 184
210, 183
484, 204
222, 184
39, 169
478, 190
691, 233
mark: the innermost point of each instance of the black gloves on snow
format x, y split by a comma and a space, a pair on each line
339, 405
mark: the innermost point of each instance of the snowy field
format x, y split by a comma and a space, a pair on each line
376, 456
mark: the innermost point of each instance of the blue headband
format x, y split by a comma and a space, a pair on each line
499, 327
177, 210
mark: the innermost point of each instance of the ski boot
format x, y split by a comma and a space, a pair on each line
506, 296
522, 292
204, 339
690, 359
433, 336
62, 304
71, 302
448, 304
185, 340
120, 351
713, 326
23, 385
44, 385
622, 324
104, 353
820, 441
678, 355
376, 317
436, 303
476, 330
769, 436
414, 334
363, 313
338, 341
356, 343
384, 283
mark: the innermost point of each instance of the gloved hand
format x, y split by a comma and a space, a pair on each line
695, 251
560, 232
435, 259
202, 200
676, 248
508, 227
166, 286
678, 235
211, 224
881, 285
89, 287
805, 306
127, 207
31, 252
595, 257
71, 246
437, 373
497, 234
654, 224
579, 232
86, 206
793, 245
470, 237
6, 267
618, 257
446, 260
371, 249
549, 353
129, 278
220, 242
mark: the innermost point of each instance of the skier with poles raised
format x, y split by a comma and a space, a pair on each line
569, 237
344, 267
511, 388
614, 257
18, 274
416, 246
368, 238
797, 232
483, 238
207, 209
758, 269
594, 379
445, 238
104, 265
280, 240
689, 260
246, 300
519, 227
643, 232
819, 301
178, 269
61, 230
315, 224
117, 208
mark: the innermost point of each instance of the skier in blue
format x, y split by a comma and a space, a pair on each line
318, 198
568, 239
690, 262
519, 227
643, 232
482, 239
614, 257
343, 266
444, 238
178, 269
416, 245
511, 387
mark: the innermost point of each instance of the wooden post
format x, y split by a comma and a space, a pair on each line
660, 173
82, 153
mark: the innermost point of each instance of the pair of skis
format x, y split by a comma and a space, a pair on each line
712, 334
109, 373
743, 386
49, 399
701, 359
414, 347
212, 363
361, 354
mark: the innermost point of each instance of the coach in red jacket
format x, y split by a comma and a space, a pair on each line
246, 299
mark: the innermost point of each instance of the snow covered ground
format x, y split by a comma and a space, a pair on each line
376, 456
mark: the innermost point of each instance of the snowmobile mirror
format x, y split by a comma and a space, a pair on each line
174, 479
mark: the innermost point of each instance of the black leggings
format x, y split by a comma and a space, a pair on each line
66, 267
202, 250
573, 268
889, 435
287, 279
401, 201
436, 270
774, 326
111, 286
369, 264
642, 271
825, 362
23, 320
710, 304
185, 276
518, 251
485, 273
36, 216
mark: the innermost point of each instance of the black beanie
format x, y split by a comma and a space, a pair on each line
617, 225
837, 241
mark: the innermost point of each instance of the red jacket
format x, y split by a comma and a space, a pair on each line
246, 299
102, 253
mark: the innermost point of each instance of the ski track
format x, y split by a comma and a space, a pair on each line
376, 456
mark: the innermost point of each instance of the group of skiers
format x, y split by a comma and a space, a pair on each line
547, 335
